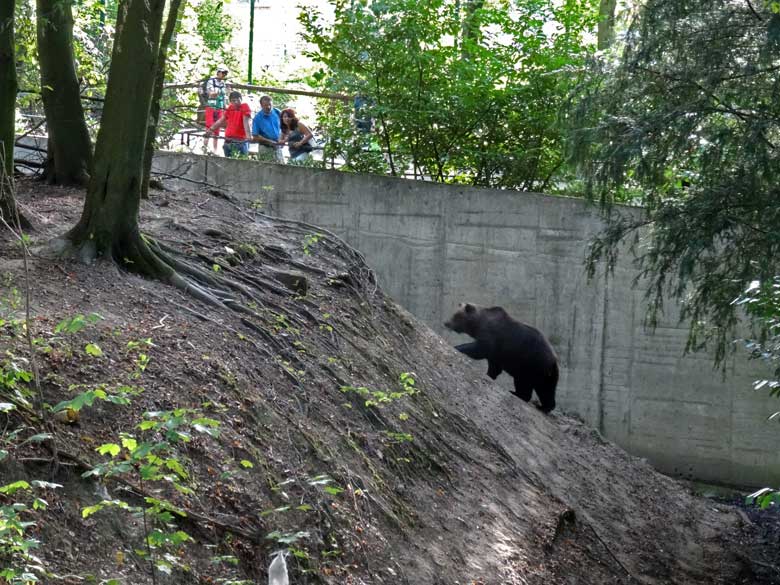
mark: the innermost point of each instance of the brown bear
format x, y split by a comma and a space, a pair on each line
510, 346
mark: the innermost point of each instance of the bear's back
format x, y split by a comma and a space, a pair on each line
518, 343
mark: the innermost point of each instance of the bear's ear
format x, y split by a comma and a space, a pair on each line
469, 308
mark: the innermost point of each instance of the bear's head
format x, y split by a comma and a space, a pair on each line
464, 320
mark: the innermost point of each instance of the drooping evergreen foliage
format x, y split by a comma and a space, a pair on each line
465, 92
687, 124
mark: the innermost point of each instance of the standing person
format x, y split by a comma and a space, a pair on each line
266, 131
215, 98
296, 135
235, 120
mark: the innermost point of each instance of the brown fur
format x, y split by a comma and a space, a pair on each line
522, 351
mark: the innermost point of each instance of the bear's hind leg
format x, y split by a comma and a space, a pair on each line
546, 393
494, 369
523, 389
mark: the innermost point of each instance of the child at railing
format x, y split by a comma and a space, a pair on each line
214, 90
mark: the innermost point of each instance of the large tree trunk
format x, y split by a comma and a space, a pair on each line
8, 209
606, 27
109, 222
154, 117
70, 150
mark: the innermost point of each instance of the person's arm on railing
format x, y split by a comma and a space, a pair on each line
221, 123
307, 135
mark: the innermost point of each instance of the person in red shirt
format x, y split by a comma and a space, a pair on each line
235, 119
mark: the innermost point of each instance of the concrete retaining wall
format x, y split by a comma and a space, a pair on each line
433, 246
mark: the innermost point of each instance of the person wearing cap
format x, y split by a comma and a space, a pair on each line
215, 98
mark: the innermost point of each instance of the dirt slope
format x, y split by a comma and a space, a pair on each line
446, 481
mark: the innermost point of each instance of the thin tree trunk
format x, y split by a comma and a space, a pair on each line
109, 222
384, 133
8, 210
70, 150
470, 31
606, 27
154, 117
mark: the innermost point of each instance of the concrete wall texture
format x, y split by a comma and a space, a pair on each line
433, 246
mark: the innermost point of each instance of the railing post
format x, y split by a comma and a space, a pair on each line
251, 39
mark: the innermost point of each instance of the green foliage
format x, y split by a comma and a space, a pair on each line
761, 302
399, 437
377, 398
76, 323
767, 500
93, 30
154, 458
213, 25
310, 240
93, 350
20, 566
93, 35
465, 92
381, 399
119, 395
26, 54
685, 123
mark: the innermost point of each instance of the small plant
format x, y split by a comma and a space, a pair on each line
309, 241
282, 324
764, 498
288, 366
326, 326
407, 383
246, 250
11, 303
379, 397
399, 437
154, 459
21, 567
76, 323
119, 395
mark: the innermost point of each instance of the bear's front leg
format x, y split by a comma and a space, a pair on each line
473, 350
494, 370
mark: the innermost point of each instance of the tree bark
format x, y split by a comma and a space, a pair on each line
154, 117
606, 28
8, 210
109, 222
69, 150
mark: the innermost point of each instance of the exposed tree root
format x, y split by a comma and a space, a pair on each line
269, 299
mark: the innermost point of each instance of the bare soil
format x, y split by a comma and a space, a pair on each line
457, 482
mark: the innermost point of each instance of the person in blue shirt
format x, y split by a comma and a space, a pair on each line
267, 131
